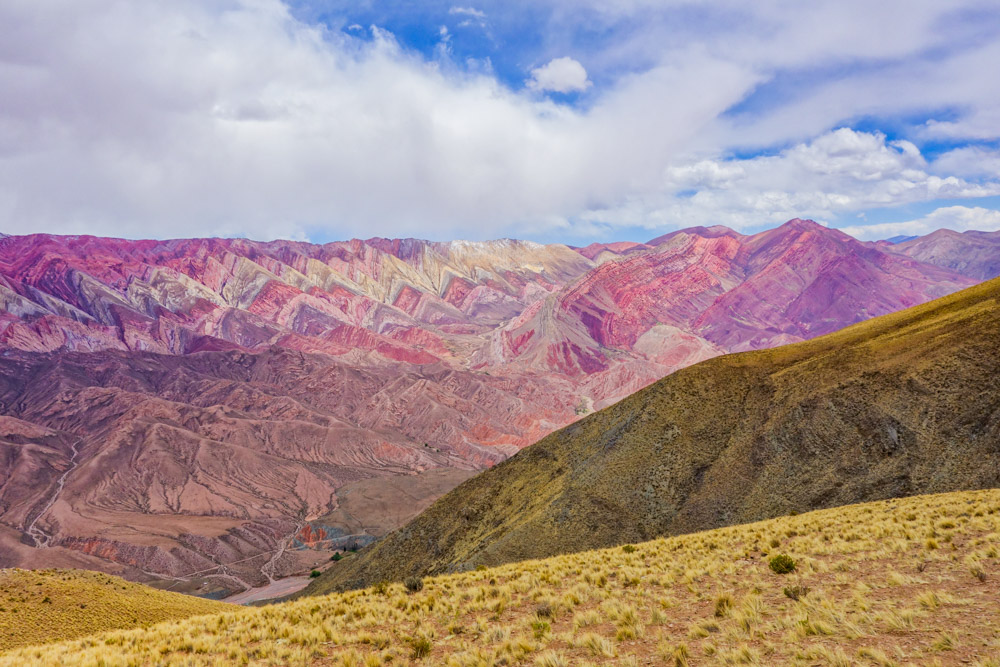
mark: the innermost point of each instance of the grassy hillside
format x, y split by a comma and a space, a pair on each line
40, 606
908, 581
898, 405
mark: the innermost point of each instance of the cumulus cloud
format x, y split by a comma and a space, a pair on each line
840, 171
234, 117
181, 119
958, 218
559, 75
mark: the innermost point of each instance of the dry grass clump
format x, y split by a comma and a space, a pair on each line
864, 591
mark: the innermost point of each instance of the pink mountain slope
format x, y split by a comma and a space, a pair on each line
973, 254
170, 406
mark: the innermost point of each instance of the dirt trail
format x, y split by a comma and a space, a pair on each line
40, 537
267, 569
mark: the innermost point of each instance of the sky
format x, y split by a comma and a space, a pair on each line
551, 120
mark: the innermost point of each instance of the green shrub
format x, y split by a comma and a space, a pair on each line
335, 557
414, 584
314, 574
782, 564
628, 548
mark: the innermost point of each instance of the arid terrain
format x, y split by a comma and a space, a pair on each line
196, 412
902, 404
907, 581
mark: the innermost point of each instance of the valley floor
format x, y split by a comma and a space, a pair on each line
279, 588
897, 582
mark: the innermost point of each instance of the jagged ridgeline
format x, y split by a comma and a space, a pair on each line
903, 404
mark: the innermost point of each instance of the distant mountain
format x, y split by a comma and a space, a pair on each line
900, 239
903, 404
973, 254
170, 406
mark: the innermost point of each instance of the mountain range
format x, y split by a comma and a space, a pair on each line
899, 405
190, 408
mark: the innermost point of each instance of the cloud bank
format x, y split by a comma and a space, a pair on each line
234, 117
958, 218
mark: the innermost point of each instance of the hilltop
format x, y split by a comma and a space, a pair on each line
902, 404
43, 606
886, 583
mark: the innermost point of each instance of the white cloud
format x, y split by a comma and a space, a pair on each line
970, 162
840, 171
472, 16
468, 11
180, 119
559, 75
958, 218
233, 117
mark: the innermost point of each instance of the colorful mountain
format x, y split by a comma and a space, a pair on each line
973, 254
900, 405
171, 406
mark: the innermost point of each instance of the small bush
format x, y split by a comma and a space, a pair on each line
314, 574
545, 610
782, 564
335, 557
629, 548
796, 592
414, 584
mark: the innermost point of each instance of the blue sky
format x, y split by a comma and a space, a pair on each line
553, 120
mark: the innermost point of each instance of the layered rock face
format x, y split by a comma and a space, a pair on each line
170, 406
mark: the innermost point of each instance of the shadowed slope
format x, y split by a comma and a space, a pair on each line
899, 405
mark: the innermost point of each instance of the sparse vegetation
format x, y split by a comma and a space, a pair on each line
703, 598
38, 606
